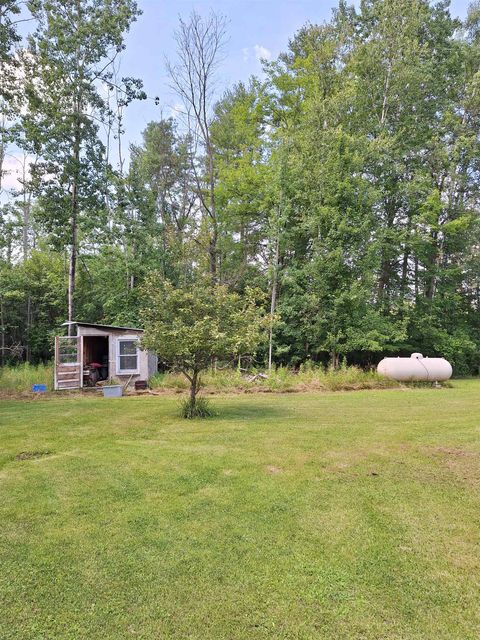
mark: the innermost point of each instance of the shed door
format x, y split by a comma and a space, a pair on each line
68, 362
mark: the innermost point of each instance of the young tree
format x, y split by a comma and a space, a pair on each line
189, 326
69, 64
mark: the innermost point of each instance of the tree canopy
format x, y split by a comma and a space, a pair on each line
343, 182
190, 326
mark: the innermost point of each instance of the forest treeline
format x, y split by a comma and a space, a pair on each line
344, 182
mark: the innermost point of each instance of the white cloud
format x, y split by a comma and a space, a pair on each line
258, 52
262, 53
13, 171
177, 109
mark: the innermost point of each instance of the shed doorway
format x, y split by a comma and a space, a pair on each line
95, 359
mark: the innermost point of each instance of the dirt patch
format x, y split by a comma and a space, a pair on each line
272, 469
32, 455
461, 453
464, 464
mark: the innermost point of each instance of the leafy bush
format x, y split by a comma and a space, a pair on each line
21, 377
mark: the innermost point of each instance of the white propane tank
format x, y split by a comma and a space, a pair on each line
416, 368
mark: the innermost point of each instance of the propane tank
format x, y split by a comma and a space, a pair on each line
415, 369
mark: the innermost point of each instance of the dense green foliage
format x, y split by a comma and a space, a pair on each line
345, 184
307, 517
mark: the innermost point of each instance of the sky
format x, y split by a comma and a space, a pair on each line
256, 29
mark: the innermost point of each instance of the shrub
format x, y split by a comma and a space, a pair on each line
200, 408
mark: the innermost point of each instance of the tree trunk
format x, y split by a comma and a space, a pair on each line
404, 280
273, 301
212, 253
416, 278
335, 359
74, 223
73, 257
193, 388
74, 200
431, 269
28, 351
2, 337
212, 247
2, 149
386, 270
26, 209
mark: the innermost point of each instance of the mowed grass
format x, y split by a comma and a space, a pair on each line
339, 516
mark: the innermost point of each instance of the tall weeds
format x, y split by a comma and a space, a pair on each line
21, 377
282, 379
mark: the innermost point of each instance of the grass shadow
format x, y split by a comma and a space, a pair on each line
230, 409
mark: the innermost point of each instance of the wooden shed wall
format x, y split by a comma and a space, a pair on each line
147, 362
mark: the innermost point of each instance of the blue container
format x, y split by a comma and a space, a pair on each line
39, 388
113, 391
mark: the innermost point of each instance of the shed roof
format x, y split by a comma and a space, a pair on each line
101, 326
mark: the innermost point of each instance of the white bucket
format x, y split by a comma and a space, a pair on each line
113, 391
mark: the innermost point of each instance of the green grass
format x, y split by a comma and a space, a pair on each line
297, 516
281, 379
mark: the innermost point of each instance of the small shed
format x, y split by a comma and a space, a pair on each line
101, 352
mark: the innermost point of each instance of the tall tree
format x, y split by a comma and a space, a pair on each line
242, 150
162, 166
9, 38
70, 56
199, 49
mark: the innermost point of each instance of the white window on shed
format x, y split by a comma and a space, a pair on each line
127, 355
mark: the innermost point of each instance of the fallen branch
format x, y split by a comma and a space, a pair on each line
254, 378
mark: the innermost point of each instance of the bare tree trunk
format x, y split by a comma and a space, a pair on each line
74, 200
74, 233
26, 251
26, 209
2, 148
213, 215
25, 229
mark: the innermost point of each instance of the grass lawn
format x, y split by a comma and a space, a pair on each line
336, 516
